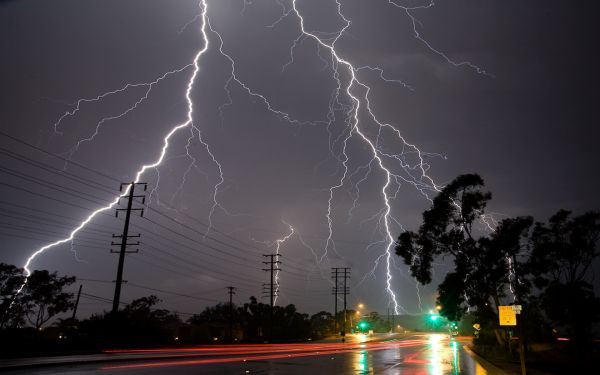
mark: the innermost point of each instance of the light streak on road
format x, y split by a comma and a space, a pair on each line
262, 352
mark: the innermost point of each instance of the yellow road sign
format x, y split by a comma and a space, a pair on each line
507, 315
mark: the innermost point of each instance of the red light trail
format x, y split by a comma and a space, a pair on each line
256, 352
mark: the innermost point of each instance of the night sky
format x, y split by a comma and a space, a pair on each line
523, 114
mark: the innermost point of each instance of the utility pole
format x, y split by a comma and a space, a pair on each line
337, 274
125, 236
346, 276
271, 262
231, 293
76, 303
335, 296
388, 320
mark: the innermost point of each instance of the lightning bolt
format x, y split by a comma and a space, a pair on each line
186, 124
415, 174
278, 244
409, 166
327, 41
417, 35
490, 223
149, 86
357, 129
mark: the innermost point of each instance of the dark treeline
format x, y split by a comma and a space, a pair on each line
27, 325
546, 267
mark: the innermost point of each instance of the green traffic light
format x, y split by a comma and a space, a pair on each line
362, 325
434, 317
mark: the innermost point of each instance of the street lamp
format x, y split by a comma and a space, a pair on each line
358, 313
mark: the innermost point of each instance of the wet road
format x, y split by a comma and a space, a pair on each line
412, 355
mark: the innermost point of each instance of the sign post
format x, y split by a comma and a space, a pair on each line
508, 317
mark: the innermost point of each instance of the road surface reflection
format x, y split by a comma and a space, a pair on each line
424, 354
438, 355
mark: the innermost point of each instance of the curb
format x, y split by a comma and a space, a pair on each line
488, 366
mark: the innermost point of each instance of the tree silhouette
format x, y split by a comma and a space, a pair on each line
503, 266
561, 259
11, 279
486, 268
447, 226
322, 324
43, 296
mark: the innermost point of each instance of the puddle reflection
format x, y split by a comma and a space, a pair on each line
439, 356
362, 363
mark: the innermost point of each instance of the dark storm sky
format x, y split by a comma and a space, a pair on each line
531, 131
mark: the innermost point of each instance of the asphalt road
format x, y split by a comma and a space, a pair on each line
421, 354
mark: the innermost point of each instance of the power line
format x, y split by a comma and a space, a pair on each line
26, 229
60, 172
43, 240
56, 156
236, 256
53, 214
171, 292
93, 184
54, 186
66, 190
169, 229
186, 238
45, 196
212, 271
49, 168
44, 221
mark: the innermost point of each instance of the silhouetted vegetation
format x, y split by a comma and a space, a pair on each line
36, 301
11, 279
26, 314
251, 322
544, 267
